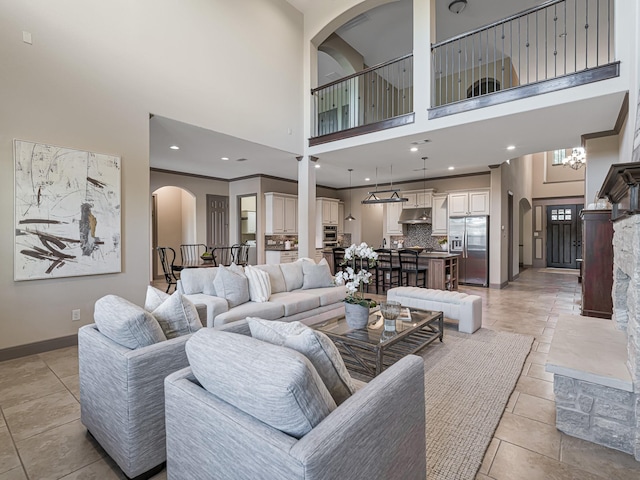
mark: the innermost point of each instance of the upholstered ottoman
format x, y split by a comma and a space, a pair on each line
466, 309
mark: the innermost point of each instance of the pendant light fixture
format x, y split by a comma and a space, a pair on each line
424, 217
350, 218
372, 197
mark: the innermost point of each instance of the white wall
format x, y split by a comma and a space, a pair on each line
601, 153
92, 76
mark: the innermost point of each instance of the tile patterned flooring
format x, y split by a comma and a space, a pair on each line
41, 436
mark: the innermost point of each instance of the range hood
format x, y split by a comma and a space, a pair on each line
412, 216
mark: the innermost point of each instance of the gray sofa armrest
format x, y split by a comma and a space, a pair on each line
121, 396
381, 429
241, 327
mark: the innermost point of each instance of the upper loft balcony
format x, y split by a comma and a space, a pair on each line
557, 45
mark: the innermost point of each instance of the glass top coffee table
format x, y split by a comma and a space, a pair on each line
368, 351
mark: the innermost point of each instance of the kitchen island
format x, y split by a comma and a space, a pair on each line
442, 268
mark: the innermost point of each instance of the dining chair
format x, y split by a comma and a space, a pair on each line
190, 252
387, 269
222, 256
167, 258
240, 254
410, 265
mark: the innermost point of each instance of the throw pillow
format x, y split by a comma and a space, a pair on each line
126, 323
293, 276
276, 278
198, 280
316, 346
231, 284
177, 316
316, 276
154, 298
276, 385
259, 284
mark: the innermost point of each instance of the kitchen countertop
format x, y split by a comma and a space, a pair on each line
280, 249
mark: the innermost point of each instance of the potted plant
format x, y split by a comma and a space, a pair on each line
357, 257
444, 243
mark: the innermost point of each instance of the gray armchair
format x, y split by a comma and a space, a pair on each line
122, 397
377, 433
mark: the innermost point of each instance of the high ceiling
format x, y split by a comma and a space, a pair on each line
467, 148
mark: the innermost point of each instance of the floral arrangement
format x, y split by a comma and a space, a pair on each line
357, 256
443, 240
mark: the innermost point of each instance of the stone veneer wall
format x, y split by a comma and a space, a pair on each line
597, 413
626, 302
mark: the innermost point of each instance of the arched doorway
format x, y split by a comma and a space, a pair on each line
173, 218
482, 87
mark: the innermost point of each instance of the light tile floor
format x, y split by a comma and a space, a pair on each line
41, 436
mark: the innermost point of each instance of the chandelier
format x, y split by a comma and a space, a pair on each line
576, 160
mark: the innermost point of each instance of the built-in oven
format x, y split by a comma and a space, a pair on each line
329, 236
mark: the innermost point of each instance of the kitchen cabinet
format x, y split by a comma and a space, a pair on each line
340, 218
418, 198
274, 257
472, 202
439, 214
327, 209
281, 213
392, 213
597, 269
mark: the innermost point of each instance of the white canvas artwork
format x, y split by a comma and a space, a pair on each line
67, 212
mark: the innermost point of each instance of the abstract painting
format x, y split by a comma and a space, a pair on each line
67, 212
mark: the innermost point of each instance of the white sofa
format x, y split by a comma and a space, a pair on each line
466, 309
289, 300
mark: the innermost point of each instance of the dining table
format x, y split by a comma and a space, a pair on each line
199, 263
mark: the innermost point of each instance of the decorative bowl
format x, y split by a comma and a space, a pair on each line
415, 249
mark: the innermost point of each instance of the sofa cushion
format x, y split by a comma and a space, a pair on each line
259, 284
314, 345
268, 310
154, 298
294, 302
328, 295
125, 323
316, 276
276, 385
293, 276
177, 316
231, 284
198, 280
276, 278
214, 306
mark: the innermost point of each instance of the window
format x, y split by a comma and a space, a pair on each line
558, 156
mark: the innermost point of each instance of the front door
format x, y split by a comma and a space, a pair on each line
564, 235
217, 221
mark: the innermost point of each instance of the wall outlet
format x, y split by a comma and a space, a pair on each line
75, 315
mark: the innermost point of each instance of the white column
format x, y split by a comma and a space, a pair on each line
307, 206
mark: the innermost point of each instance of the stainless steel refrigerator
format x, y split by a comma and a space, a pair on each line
469, 238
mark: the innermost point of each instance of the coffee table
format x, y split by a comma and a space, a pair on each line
368, 351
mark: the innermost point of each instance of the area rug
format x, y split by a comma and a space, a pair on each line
468, 382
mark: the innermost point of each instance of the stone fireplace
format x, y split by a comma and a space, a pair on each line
596, 362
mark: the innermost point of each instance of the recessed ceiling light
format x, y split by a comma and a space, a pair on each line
224, 158
511, 147
317, 165
508, 161
414, 149
174, 147
452, 168
367, 179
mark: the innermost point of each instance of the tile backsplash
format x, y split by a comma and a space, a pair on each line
417, 236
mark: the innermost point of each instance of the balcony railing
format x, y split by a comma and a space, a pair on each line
556, 39
380, 97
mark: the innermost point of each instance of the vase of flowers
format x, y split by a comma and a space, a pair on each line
444, 244
354, 275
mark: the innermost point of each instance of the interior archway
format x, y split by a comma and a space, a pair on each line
173, 219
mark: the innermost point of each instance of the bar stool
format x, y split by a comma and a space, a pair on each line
387, 270
409, 264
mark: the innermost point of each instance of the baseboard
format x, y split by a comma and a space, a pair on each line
499, 285
38, 347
